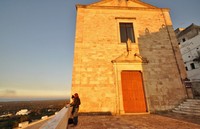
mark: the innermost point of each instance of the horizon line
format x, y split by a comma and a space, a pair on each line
31, 99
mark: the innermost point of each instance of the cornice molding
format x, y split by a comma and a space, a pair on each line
121, 8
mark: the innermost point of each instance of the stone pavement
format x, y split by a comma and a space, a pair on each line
148, 121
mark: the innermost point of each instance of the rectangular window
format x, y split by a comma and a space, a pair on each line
126, 32
186, 68
192, 66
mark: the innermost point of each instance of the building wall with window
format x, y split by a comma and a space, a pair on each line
189, 43
102, 53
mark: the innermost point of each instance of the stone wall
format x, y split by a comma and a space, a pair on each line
196, 89
97, 43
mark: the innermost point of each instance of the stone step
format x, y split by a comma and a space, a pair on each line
184, 112
196, 101
193, 100
188, 110
189, 106
190, 103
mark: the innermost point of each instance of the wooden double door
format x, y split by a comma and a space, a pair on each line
133, 92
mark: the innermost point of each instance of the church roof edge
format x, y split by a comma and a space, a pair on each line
109, 4
118, 7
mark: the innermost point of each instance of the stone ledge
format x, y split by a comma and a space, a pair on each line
59, 121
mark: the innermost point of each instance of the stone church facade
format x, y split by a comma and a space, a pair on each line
126, 58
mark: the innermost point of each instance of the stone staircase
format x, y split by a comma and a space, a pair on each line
190, 107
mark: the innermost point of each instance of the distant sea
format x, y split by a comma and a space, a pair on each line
30, 99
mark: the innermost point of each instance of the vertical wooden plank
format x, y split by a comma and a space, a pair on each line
133, 92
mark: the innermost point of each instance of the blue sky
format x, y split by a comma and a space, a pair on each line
36, 44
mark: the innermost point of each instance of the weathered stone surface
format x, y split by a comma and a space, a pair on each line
137, 122
97, 78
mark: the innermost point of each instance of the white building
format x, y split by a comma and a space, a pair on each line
189, 43
23, 112
23, 124
6, 115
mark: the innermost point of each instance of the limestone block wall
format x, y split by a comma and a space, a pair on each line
97, 43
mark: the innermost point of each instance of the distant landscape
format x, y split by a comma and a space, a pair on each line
36, 110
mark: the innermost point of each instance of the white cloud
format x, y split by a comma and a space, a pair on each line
33, 94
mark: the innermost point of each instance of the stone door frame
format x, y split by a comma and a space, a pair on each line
118, 68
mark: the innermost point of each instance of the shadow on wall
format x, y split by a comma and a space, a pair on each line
164, 73
196, 89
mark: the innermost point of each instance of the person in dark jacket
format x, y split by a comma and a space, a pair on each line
75, 105
72, 103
